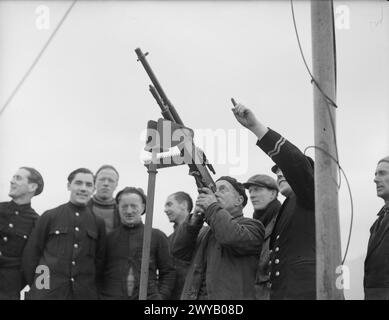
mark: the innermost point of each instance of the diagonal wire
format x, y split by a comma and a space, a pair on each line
36, 60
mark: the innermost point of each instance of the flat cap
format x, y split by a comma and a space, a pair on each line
261, 180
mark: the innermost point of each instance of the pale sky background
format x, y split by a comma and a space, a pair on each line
87, 101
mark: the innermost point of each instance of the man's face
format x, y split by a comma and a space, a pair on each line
381, 180
19, 185
174, 210
106, 183
81, 188
226, 195
261, 196
131, 208
283, 185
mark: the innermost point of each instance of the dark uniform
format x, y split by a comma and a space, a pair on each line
16, 223
376, 281
268, 217
70, 241
292, 243
181, 267
124, 260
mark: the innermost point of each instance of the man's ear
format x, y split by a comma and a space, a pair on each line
68, 185
32, 187
239, 201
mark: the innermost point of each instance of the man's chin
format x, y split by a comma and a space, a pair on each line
81, 203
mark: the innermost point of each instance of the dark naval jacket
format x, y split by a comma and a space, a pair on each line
16, 224
268, 217
69, 243
376, 280
292, 243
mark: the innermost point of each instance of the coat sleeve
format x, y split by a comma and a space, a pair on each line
184, 239
167, 273
35, 246
293, 164
243, 236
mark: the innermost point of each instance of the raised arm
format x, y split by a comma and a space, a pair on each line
293, 163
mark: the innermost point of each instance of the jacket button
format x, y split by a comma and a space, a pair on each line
73, 263
0, 253
270, 263
277, 273
76, 245
11, 225
269, 285
76, 228
277, 261
5, 239
16, 212
56, 231
25, 237
72, 279
277, 249
77, 214
278, 236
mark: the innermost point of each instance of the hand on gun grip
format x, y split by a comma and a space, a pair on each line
205, 199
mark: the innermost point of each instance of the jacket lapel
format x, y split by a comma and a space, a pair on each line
376, 236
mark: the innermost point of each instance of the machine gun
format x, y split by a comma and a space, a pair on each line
192, 156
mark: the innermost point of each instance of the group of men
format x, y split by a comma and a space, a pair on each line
91, 246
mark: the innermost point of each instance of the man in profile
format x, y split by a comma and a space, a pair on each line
376, 281
17, 219
263, 191
177, 207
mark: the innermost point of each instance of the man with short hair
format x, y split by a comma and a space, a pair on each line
103, 203
17, 219
376, 280
263, 191
293, 240
177, 207
68, 246
224, 255
122, 270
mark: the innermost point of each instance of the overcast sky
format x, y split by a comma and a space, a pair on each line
87, 103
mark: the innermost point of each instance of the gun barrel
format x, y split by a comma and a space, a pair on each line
164, 110
158, 87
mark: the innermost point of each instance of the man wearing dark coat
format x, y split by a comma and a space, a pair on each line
177, 207
376, 280
263, 191
122, 268
293, 240
63, 257
17, 220
223, 255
